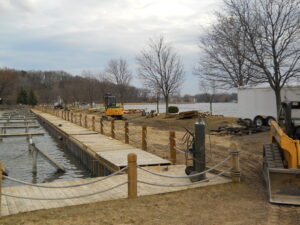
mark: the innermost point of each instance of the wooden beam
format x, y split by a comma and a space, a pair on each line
16, 127
20, 134
45, 155
28, 121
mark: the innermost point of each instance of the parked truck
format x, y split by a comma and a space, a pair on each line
259, 103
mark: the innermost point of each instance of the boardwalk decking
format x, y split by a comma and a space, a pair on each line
11, 205
109, 150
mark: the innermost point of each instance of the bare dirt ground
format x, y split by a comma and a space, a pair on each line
244, 203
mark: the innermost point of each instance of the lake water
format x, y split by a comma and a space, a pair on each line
226, 109
17, 159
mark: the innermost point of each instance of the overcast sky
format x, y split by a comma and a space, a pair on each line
77, 35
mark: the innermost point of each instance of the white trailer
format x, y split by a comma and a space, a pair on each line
259, 103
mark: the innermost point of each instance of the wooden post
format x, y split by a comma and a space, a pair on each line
85, 121
1, 171
68, 115
144, 138
71, 117
34, 161
132, 175
172, 147
113, 135
93, 123
101, 126
80, 117
126, 133
235, 172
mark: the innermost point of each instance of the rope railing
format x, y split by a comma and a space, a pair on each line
66, 186
189, 176
190, 184
179, 150
65, 198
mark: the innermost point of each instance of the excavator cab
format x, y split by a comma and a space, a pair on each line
111, 108
281, 158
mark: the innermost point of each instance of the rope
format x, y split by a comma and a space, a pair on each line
65, 198
67, 186
179, 150
134, 140
180, 185
194, 175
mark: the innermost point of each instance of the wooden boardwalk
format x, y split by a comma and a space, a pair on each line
108, 150
111, 151
11, 205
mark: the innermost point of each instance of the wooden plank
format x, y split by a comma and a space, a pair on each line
20, 134
4, 207
17, 127
45, 155
10, 201
28, 121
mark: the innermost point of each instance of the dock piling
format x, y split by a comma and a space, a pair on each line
101, 126
126, 133
132, 175
172, 147
235, 172
144, 138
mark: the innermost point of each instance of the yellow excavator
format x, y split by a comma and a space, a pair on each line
111, 108
281, 158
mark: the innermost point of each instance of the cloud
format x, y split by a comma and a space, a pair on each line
76, 34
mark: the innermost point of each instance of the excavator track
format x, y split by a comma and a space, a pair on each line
272, 156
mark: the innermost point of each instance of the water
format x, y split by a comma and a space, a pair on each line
17, 159
226, 109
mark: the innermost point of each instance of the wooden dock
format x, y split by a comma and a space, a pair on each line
110, 152
11, 205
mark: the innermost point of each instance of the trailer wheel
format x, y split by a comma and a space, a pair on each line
189, 170
258, 121
269, 119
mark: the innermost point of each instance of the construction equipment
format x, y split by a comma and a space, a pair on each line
111, 108
281, 158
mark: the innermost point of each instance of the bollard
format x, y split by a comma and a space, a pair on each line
235, 172
85, 121
113, 135
132, 175
101, 126
144, 138
126, 133
1, 171
93, 123
172, 147
80, 117
199, 153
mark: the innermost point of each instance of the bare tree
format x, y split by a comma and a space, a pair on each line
272, 31
160, 68
209, 89
223, 48
119, 74
91, 84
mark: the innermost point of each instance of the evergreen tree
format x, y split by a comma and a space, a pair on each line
22, 97
31, 98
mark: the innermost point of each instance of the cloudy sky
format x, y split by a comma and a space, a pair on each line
77, 35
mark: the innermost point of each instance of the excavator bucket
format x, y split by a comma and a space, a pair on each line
284, 186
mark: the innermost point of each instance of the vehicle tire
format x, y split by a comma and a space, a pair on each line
258, 121
269, 119
189, 170
248, 122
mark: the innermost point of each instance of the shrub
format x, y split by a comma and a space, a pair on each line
173, 109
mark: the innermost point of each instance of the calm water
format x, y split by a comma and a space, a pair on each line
18, 160
226, 109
